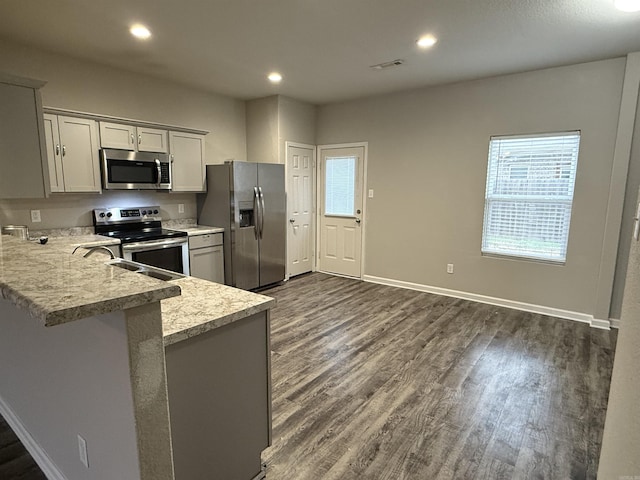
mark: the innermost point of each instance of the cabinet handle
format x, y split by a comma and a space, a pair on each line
64, 150
139, 139
57, 149
132, 139
172, 158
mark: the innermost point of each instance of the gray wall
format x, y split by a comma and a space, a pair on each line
427, 164
262, 130
83, 86
620, 456
74, 210
630, 205
273, 121
297, 123
55, 379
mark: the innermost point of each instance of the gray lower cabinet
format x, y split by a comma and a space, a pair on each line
219, 386
206, 257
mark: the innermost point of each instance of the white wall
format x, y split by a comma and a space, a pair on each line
72, 379
427, 165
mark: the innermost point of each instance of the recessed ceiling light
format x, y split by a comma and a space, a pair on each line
426, 41
275, 77
140, 31
628, 5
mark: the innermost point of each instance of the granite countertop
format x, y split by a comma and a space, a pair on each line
199, 229
57, 287
206, 305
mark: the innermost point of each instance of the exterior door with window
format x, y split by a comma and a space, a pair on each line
341, 219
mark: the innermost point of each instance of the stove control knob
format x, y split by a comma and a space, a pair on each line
102, 215
109, 214
144, 212
155, 212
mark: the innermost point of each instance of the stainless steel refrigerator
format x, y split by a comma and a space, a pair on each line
248, 200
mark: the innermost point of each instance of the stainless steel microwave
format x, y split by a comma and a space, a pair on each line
125, 170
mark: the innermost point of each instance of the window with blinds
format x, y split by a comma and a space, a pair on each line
530, 183
340, 186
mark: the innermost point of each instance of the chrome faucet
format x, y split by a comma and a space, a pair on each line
93, 249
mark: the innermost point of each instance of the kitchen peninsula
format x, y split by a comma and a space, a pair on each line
129, 366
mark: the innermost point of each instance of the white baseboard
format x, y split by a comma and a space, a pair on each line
39, 455
501, 302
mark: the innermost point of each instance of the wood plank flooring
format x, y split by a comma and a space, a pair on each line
376, 382
15, 461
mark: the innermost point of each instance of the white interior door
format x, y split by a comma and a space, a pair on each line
300, 196
341, 219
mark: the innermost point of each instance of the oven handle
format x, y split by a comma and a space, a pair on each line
142, 246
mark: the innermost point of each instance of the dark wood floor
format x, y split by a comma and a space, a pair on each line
15, 461
375, 382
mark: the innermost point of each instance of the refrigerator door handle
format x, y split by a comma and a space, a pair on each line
256, 210
261, 195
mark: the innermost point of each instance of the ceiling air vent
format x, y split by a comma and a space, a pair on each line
385, 65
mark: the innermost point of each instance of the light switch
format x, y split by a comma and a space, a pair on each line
371, 193
35, 216
181, 208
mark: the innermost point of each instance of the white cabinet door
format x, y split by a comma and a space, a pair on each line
54, 152
79, 139
117, 135
207, 263
130, 137
152, 140
187, 161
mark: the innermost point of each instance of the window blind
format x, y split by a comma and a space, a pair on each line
529, 194
340, 185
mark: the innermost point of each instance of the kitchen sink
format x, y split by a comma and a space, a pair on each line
142, 269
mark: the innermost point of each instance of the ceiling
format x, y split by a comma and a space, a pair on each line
324, 48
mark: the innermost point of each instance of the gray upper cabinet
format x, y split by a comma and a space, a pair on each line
22, 150
72, 154
130, 137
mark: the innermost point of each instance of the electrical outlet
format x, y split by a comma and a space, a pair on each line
371, 193
449, 267
181, 208
35, 216
82, 450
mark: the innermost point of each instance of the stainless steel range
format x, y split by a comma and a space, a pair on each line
142, 237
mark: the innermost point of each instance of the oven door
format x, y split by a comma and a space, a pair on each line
170, 254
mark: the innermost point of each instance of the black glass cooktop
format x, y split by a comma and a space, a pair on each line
147, 234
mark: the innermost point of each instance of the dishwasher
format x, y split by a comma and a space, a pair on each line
206, 257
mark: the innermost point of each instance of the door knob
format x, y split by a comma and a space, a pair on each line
292, 220
357, 220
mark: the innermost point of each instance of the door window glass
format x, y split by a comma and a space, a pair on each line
340, 185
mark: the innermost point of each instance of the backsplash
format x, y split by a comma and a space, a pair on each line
68, 211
